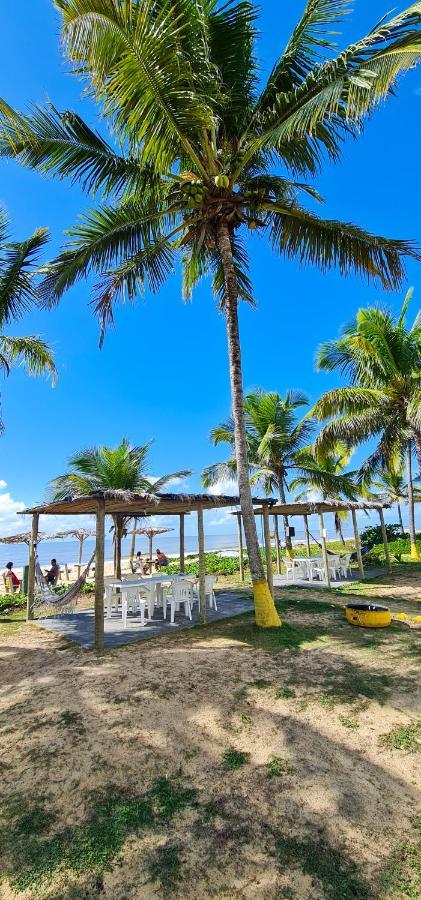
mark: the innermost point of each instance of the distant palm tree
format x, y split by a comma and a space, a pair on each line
18, 293
202, 141
382, 358
325, 477
277, 447
392, 487
122, 468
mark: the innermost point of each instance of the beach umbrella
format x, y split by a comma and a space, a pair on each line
24, 538
150, 533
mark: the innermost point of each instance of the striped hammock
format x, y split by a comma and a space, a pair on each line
46, 598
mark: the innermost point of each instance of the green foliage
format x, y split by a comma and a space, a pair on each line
214, 565
278, 766
372, 534
233, 759
12, 601
402, 876
285, 693
397, 549
92, 845
337, 874
403, 737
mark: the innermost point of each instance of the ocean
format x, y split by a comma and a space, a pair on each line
67, 551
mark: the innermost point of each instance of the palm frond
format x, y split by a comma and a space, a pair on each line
62, 144
219, 473
18, 287
31, 352
330, 244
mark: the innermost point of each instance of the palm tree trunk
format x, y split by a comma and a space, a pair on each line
400, 518
411, 505
133, 543
266, 615
288, 541
338, 526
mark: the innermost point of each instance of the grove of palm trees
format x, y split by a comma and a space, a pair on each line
210, 719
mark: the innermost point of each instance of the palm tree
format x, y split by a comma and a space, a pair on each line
121, 469
381, 356
277, 446
391, 487
326, 477
206, 155
18, 292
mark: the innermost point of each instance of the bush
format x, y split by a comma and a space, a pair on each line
373, 534
397, 549
214, 565
12, 601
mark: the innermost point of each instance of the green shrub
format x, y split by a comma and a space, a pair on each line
397, 548
373, 534
12, 601
214, 565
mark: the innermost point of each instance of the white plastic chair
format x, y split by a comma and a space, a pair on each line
182, 593
210, 598
344, 563
133, 598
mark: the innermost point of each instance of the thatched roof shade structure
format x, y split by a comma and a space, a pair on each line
311, 508
126, 504
23, 538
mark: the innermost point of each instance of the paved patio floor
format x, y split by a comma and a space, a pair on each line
79, 626
283, 581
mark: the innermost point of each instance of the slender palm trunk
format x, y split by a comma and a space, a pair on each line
338, 526
288, 541
266, 614
411, 505
133, 543
400, 517
118, 533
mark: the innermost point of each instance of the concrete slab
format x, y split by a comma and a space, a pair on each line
79, 626
283, 581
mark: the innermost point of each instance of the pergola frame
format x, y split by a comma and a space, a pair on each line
130, 505
309, 509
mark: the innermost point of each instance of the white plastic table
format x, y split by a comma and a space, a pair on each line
127, 585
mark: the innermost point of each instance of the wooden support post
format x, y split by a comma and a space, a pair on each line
202, 594
151, 554
99, 576
324, 550
357, 544
385, 542
266, 530
307, 534
240, 546
182, 548
31, 572
66, 572
278, 555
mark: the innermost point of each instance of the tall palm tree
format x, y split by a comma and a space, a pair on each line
391, 487
207, 155
277, 447
381, 357
122, 468
18, 292
326, 477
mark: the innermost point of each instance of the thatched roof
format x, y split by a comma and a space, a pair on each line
140, 505
150, 532
25, 538
321, 506
79, 533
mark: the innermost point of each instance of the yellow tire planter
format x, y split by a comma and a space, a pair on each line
367, 615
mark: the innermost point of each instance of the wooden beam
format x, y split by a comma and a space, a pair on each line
31, 571
182, 542
266, 531
99, 576
307, 534
240, 546
278, 555
358, 544
202, 569
385, 542
324, 550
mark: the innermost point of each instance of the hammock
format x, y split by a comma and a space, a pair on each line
57, 603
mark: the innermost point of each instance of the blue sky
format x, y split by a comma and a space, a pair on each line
163, 371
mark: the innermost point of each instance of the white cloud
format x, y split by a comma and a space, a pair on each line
229, 487
10, 521
3, 484
225, 519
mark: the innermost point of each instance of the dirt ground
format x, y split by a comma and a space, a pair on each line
223, 763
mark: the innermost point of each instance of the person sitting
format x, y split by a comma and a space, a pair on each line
11, 580
161, 560
52, 574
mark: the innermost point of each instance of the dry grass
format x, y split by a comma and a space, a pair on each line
226, 762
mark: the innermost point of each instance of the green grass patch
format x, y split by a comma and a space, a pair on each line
164, 865
70, 719
402, 875
403, 737
349, 722
36, 857
233, 759
277, 766
339, 877
284, 693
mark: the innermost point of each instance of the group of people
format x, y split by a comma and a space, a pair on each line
144, 566
13, 583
